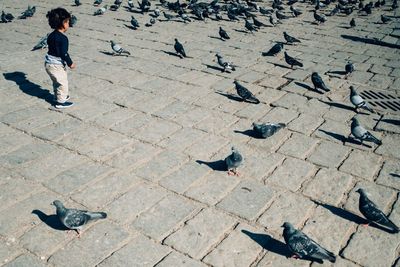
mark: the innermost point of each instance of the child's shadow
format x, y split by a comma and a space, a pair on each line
29, 87
51, 220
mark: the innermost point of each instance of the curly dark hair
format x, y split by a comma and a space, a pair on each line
57, 17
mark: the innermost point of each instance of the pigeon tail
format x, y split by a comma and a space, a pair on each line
373, 139
253, 99
96, 215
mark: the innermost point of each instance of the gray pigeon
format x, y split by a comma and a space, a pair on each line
228, 66
245, 94
180, 51
223, 34
97, 2
100, 11
372, 213
42, 44
362, 134
134, 23
118, 49
266, 130
318, 82
233, 161
292, 61
304, 247
348, 68
358, 101
73, 21
274, 50
250, 26
74, 219
290, 39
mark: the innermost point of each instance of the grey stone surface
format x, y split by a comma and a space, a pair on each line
146, 139
248, 199
201, 233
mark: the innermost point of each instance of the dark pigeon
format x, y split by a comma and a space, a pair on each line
358, 101
249, 26
295, 11
362, 134
258, 23
304, 247
97, 2
280, 16
78, 3
372, 213
134, 23
233, 161
223, 34
348, 68
385, 19
292, 61
290, 39
6, 17
180, 51
245, 94
318, 82
352, 23
74, 219
274, 50
73, 21
266, 130
319, 18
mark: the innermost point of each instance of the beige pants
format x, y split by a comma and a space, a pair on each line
58, 75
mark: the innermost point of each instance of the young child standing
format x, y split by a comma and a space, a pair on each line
57, 57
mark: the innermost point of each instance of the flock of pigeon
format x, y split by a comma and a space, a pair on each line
298, 243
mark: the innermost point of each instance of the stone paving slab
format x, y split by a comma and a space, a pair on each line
146, 140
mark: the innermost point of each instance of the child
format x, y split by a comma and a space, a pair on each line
57, 57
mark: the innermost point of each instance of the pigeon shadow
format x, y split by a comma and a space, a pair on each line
171, 53
218, 165
29, 87
394, 175
351, 140
306, 86
107, 53
50, 220
283, 66
130, 27
242, 31
338, 105
339, 72
391, 121
249, 133
339, 137
214, 67
231, 97
269, 243
370, 41
215, 37
343, 213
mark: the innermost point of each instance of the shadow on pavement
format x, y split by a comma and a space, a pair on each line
269, 243
29, 87
370, 41
218, 165
51, 220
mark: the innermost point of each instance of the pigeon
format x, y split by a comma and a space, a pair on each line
245, 94
358, 101
319, 18
118, 49
223, 34
168, 16
114, 7
362, 134
156, 13
233, 161
273, 21
295, 11
292, 61
28, 12
6, 17
258, 23
394, 5
151, 22
42, 44
183, 16
318, 82
73, 21
348, 68
280, 16
372, 213
78, 3
266, 130
352, 23
74, 219
228, 66
144, 6
249, 26
97, 2
385, 19
275, 49
134, 23
304, 247
131, 4
100, 11
265, 11
180, 51
289, 39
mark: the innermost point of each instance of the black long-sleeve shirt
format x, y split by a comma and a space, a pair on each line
58, 46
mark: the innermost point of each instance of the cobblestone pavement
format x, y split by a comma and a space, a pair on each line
145, 140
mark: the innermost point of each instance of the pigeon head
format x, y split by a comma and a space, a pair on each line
176, 40
112, 42
314, 74
218, 55
355, 122
58, 204
287, 225
361, 191
352, 90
